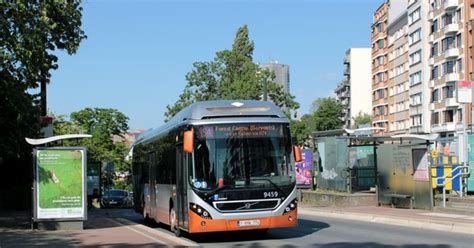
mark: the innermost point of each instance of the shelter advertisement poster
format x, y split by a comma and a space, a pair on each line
60, 184
304, 169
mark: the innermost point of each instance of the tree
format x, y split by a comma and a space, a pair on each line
30, 33
361, 119
329, 114
231, 75
103, 124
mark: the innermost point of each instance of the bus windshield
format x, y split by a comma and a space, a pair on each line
242, 155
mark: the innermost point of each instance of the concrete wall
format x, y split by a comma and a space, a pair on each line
360, 81
330, 199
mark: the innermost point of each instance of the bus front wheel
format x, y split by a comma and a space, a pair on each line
174, 223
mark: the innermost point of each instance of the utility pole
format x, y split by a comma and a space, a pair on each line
43, 106
265, 90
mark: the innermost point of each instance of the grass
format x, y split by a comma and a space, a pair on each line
67, 191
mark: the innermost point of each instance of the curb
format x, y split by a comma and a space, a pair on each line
165, 236
437, 225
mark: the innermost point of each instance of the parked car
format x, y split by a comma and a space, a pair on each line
116, 198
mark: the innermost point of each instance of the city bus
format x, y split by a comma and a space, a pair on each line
218, 166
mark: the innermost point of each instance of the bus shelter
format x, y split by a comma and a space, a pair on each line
397, 167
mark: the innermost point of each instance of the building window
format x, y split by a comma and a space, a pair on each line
380, 43
460, 68
379, 27
435, 95
459, 40
448, 91
434, 72
380, 60
434, 26
380, 77
415, 78
447, 43
414, 37
380, 110
380, 93
459, 15
448, 67
448, 116
447, 18
434, 50
415, 57
414, 16
415, 99
416, 120
434, 118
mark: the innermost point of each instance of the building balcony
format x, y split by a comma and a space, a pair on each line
451, 53
451, 77
444, 127
450, 102
450, 4
430, 15
451, 28
431, 38
346, 59
341, 85
347, 71
431, 61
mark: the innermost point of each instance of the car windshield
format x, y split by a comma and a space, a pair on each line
116, 193
243, 155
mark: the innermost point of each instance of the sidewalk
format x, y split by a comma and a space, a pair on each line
101, 229
416, 218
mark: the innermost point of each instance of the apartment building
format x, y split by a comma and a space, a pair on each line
379, 69
390, 97
282, 74
447, 58
353, 92
398, 100
419, 68
468, 54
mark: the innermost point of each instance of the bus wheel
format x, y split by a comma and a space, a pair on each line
174, 223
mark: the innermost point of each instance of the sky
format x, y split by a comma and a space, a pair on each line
137, 53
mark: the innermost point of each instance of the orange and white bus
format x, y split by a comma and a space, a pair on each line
218, 166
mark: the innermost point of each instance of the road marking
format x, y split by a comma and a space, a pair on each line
167, 236
136, 231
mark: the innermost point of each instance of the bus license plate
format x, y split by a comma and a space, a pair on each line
248, 223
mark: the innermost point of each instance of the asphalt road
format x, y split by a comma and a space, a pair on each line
327, 233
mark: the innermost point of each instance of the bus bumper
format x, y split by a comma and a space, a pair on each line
198, 224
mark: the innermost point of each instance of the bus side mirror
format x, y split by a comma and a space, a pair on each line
188, 139
297, 153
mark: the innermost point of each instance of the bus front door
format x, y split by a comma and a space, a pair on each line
182, 159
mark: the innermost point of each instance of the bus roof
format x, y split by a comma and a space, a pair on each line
218, 109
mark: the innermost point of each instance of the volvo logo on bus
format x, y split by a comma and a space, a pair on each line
247, 205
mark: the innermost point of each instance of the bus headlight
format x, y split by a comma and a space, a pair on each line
203, 213
291, 206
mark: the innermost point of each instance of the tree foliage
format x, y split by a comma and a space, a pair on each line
231, 75
361, 119
30, 33
103, 124
328, 115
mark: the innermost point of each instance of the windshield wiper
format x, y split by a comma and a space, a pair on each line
270, 181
